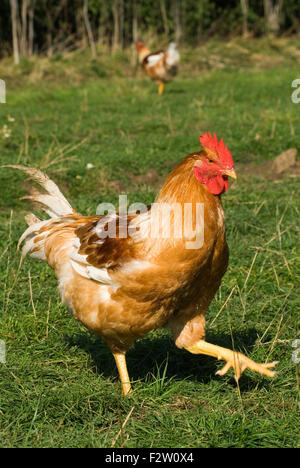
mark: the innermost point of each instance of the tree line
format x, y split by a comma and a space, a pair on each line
29, 27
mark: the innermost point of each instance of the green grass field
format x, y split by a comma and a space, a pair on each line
59, 385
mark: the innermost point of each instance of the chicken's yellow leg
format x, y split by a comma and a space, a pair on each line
238, 361
161, 88
123, 373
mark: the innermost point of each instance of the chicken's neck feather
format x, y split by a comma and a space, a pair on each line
181, 185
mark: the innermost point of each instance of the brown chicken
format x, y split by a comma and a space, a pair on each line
123, 275
160, 66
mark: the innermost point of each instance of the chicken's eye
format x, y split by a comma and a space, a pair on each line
210, 161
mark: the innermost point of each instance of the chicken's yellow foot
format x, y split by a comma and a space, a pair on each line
238, 361
161, 88
123, 373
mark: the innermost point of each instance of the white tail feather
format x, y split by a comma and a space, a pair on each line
32, 229
52, 202
31, 246
53, 206
31, 219
173, 56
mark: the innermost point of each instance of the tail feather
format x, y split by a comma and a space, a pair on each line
36, 249
173, 56
51, 205
32, 231
52, 202
31, 219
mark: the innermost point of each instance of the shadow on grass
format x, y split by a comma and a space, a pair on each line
153, 352
176, 91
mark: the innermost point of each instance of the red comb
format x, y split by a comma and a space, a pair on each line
218, 147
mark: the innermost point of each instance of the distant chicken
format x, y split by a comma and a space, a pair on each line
123, 286
161, 66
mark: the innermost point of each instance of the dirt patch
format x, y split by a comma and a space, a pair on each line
285, 161
116, 185
151, 178
285, 164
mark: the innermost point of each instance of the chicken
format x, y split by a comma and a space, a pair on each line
123, 275
161, 66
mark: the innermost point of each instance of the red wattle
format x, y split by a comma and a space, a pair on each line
216, 185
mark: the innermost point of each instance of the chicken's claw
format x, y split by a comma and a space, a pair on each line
239, 362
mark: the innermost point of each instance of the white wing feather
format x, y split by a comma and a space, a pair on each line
154, 59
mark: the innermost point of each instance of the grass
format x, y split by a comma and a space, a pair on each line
59, 386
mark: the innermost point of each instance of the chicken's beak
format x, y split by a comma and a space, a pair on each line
231, 173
